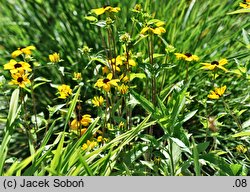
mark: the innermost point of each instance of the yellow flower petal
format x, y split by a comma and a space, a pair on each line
144, 30
98, 11
16, 53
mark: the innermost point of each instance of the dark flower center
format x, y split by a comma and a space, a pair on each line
215, 63
188, 54
105, 6
20, 79
106, 81
18, 65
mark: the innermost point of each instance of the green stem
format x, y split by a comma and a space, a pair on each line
231, 113
170, 152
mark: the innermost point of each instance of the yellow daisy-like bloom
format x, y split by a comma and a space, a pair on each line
121, 60
54, 58
24, 50
154, 27
75, 124
106, 83
86, 120
15, 66
241, 149
187, 56
20, 79
77, 76
123, 89
215, 64
97, 101
64, 91
100, 11
217, 93
246, 4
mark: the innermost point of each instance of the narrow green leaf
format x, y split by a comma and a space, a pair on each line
72, 107
197, 167
246, 124
56, 159
85, 165
242, 134
239, 11
137, 75
146, 104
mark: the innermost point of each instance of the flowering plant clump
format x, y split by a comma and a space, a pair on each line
128, 88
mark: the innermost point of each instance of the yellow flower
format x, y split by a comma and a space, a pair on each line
20, 79
241, 149
86, 120
75, 124
120, 60
64, 91
100, 11
187, 56
99, 139
215, 64
213, 95
124, 78
77, 76
246, 4
137, 8
97, 101
83, 131
54, 58
105, 70
89, 145
25, 50
123, 89
15, 66
121, 125
84, 146
217, 93
106, 83
154, 26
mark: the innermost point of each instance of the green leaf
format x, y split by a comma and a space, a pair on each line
181, 144
72, 107
146, 104
13, 111
201, 147
189, 115
197, 166
91, 18
12, 115
148, 164
218, 162
235, 168
137, 75
239, 11
242, 134
85, 165
246, 124
245, 37
155, 55
56, 159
